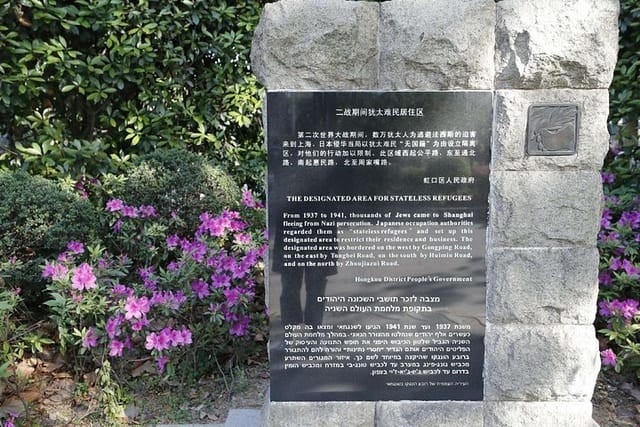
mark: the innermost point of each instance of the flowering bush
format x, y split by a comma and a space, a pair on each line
167, 298
37, 217
10, 421
619, 277
178, 181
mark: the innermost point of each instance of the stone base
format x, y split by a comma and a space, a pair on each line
319, 414
427, 414
539, 414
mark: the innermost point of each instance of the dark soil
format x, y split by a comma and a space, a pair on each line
54, 398
616, 400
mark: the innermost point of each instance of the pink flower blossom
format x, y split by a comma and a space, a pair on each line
237, 225
174, 266
75, 247
158, 342
162, 361
627, 308
138, 325
55, 271
148, 212
608, 357
119, 289
232, 296
185, 334
607, 177
113, 326
624, 264
263, 250
630, 268
243, 238
83, 277
115, 348
173, 241
91, 339
605, 278
175, 300
115, 205
247, 198
240, 327
220, 281
130, 211
200, 288
117, 226
136, 308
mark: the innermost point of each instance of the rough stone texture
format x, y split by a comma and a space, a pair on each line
510, 130
544, 209
540, 363
428, 414
319, 414
556, 44
442, 46
317, 44
539, 414
542, 286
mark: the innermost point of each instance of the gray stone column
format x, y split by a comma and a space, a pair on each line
541, 357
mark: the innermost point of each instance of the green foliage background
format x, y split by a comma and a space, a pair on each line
624, 92
87, 85
625, 88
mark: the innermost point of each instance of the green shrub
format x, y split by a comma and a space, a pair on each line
87, 86
37, 220
179, 181
625, 87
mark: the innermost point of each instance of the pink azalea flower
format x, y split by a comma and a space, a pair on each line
240, 328
136, 308
608, 357
630, 268
148, 212
117, 226
243, 238
130, 211
605, 278
151, 340
137, 325
200, 288
115, 348
173, 241
185, 336
220, 280
232, 296
162, 361
91, 339
75, 247
247, 198
607, 177
175, 300
115, 205
83, 277
263, 250
55, 271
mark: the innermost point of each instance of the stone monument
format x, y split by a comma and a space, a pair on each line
547, 66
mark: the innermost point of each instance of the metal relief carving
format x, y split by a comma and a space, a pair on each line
552, 130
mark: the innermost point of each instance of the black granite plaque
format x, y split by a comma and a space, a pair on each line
377, 206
